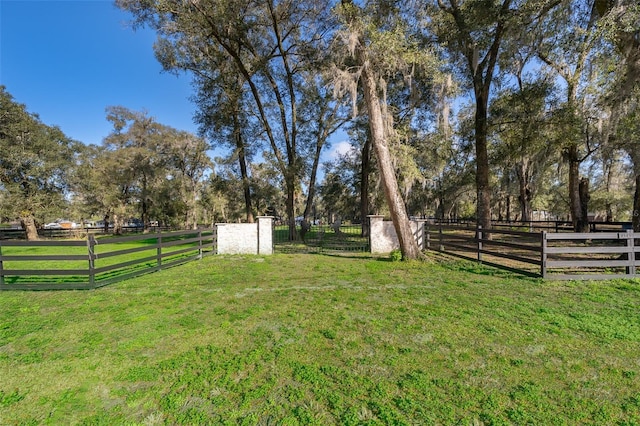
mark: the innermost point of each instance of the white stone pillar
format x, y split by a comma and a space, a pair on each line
382, 235
265, 234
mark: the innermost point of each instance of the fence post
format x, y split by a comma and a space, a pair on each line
440, 245
91, 243
1, 269
479, 238
543, 255
159, 250
214, 237
200, 244
631, 253
427, 236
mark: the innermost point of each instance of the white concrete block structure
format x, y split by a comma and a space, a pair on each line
246, 238
383, 237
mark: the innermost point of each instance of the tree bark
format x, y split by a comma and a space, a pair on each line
145, 199
578, 219
293, 235
312, 181
244, 175
525, 192
583, 191
29, 225
117, 224
364, 186
192, 212
106, 224
397, 209
482, 159
636, 206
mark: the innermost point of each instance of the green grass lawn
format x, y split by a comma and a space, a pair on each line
316, 339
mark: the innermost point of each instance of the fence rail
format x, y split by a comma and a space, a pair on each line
551, 255
493, 247
541, 225
96, 262
79, 232
602, 255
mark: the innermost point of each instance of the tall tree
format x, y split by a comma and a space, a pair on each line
474, 32
381, 48
267, 45
106, 185
139, 144
628, 138
321, 116
223, 114
519, 120
143, 169
187, 156
620, 24
569, 44
35, 161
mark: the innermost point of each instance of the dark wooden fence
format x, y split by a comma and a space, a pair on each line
96, 262
561, 256
597, 255
540, 225
515, 250
78, 233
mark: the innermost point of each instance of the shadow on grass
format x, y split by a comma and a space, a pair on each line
347, 255
486, 268
462, 263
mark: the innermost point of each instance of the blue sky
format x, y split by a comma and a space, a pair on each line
68, 60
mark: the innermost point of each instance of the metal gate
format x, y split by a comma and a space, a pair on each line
321, 238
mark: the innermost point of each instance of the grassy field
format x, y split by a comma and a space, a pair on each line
316, 339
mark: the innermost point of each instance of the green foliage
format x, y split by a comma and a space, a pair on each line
9, 398
35, 163
395, 255
143, 169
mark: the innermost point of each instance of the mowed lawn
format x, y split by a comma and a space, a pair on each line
318, 339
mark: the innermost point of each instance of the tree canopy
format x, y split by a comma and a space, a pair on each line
506, 109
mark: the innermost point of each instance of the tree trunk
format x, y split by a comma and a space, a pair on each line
397, 209
291, 215
524, 196
583, 190
636, 206
575, 204
242, 160
145, 214
312, 181
482, 159
29, 225
191, 219
364, 186
117, 224
440, 200
145, 201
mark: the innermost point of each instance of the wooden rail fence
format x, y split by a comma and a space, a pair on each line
541, 225
598, 255
560, 256
96, 262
